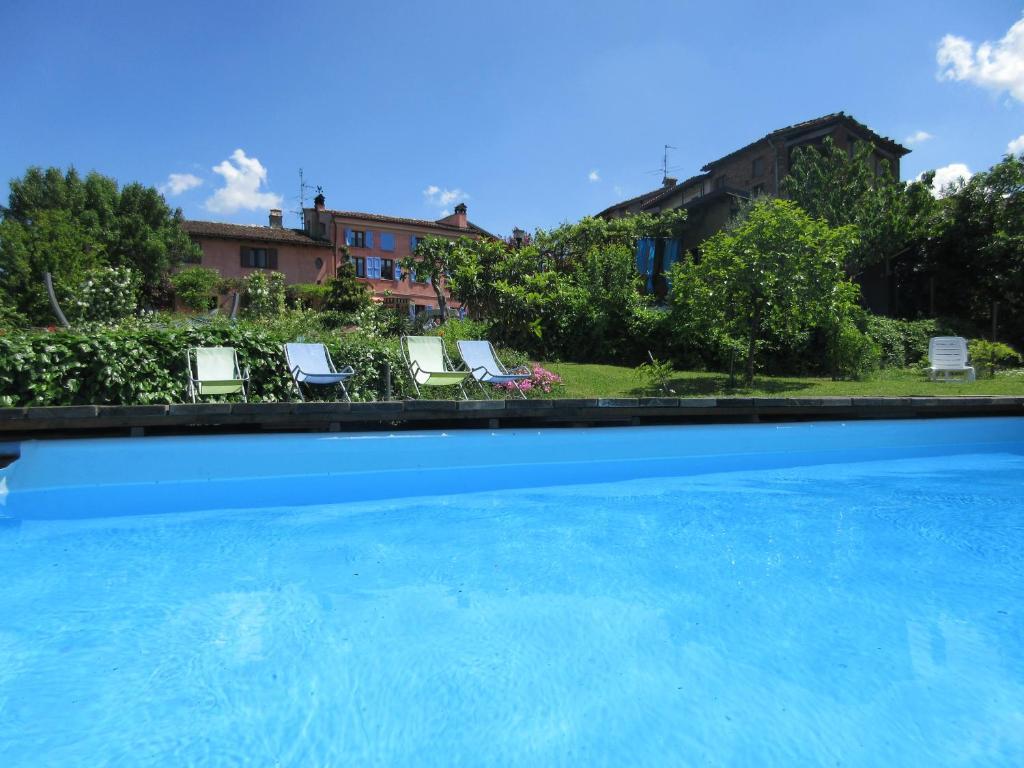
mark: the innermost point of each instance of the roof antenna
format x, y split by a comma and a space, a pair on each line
664, 163
303, 188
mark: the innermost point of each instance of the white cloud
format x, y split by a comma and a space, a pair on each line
1016, 146
243, 177
443, 197
997, 66
593, 175
946, 175
918, 137
180, 182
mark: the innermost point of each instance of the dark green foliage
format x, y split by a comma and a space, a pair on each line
905, 342
306, 295
345, 293
64, 224
142, 362
196, 287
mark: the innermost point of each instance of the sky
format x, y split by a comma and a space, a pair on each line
532, 113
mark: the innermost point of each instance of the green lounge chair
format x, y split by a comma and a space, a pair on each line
429, 365
215, 371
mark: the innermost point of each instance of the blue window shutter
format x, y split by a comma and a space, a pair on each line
348, 236
376, 266
412, 275
398, 271
369, 238
412, 243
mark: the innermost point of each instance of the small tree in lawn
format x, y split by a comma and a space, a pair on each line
435, 258
778, 274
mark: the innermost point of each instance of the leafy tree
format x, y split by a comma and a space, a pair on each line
195, 287
59, 222
976, 249
264, 293
344, 291
435, 259
777, 275
845, 189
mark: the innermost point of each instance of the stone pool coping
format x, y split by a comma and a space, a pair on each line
92, 420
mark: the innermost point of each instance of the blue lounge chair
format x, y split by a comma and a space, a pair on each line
486, 368
311, 364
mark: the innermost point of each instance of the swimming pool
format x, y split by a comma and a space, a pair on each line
760, 595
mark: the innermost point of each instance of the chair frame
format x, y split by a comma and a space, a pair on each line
522, 370
194, 383
348, 371
414, 367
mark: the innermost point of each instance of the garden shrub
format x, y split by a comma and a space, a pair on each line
196, 287
989, 356
306, 295
102, 294
264, 294
853, 354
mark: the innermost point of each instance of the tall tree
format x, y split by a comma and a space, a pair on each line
850, 189
58, 222
777, 275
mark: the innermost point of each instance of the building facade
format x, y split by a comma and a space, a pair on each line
374, 244
712, 197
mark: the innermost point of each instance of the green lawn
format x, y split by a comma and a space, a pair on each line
587, 380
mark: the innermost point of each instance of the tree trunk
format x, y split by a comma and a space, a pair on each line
752, 344
442, 303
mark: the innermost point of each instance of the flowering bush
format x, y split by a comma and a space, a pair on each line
265, 294
541, 382
105, 294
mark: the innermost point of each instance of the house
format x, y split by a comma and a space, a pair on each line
237, 250
375, 243
712, 197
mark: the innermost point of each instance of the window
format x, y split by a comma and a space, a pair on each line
318, 263
387, 266
258, 258
358, 238
387, 241
414, 240
373, 264
360, 265
757, 167
757, 190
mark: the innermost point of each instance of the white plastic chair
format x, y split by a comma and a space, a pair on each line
947, 355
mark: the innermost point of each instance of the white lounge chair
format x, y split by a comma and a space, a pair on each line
947, 355
486, 368
311, 364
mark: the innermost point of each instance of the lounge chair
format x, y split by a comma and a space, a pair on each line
948, 355
215, 371
429, 365
486, 368
311, 364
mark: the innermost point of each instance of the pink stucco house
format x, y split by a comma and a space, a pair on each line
375, 243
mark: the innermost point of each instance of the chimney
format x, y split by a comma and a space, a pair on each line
318, 201
276, 218
459, 219
668, 181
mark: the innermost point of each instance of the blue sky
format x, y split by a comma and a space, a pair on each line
532, 112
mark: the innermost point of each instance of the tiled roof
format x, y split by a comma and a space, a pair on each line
648, 199
471, 227
809, 125
251, 232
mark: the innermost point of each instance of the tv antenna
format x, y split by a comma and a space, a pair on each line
664, 162
303, 189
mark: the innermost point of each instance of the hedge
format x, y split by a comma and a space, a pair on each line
144, 361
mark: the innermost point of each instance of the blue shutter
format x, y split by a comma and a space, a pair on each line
369, 239
398, 271
412, 275
412, 243
387, 241
348, 236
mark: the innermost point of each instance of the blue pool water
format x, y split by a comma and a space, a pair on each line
714, 596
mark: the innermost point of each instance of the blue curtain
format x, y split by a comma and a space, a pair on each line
645, 260
671, 257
